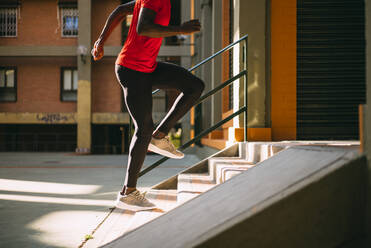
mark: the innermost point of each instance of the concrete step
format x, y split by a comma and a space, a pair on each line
213, 162
302, 197
226, 171
120, 222
255, 152
191, 185
200, 167
113, 227
186, 196
165, 201
215, 143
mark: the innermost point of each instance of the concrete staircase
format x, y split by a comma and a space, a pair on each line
178, 197
181, 188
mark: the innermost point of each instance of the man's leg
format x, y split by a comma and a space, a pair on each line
138, 100
170, 76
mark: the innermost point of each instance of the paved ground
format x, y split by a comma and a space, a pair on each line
55, 199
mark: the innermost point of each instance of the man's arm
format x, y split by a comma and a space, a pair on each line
113, 20
147, 26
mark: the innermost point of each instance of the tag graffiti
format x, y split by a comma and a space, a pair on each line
53, 118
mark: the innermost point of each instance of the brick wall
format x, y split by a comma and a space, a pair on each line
38, 85
39, 24
106, 91
38, 79
100, 12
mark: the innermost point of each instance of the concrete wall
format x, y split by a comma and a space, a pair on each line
327, 213
250, 18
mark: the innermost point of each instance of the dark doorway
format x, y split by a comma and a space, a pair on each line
330, 68
38, 138
109, 139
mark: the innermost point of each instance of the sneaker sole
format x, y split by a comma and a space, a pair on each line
165, 153
122, 205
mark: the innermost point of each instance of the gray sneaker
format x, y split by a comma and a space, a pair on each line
134, 201
165, 147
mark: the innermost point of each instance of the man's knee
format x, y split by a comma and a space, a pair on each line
198, 87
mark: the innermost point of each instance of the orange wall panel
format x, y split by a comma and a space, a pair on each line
283, 80
225, 56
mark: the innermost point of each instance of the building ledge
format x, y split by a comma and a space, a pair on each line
55, 51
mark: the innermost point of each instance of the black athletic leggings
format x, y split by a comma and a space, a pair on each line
137, 87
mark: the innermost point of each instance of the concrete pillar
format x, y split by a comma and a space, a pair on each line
216, 70
206, 21
84, 81
367, 124
250, 18
186, 63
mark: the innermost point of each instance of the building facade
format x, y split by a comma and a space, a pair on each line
305, 60
53, 97
306, 68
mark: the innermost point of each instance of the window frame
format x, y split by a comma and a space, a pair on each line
61, 8
64, 68
15, 88
16, 7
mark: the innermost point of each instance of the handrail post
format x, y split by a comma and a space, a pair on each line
245, 88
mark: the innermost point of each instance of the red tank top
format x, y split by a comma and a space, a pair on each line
140, 52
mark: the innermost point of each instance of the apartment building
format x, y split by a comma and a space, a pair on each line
53, 97
306, 72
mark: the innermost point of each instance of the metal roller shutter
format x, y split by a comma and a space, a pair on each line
330, 68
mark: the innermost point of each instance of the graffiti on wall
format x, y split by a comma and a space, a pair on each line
55, 118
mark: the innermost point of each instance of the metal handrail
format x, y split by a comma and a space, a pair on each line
195, 139
243, 109
213, 56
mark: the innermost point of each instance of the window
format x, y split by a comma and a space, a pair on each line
70, 21
8, 21
69, 84
8, 84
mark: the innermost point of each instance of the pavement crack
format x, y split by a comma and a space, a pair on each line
91, 235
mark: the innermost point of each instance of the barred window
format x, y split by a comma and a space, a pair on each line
69, 84
8, 22
8, 84
70, 22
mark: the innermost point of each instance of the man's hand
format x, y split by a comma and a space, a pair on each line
191, 26
98, 50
